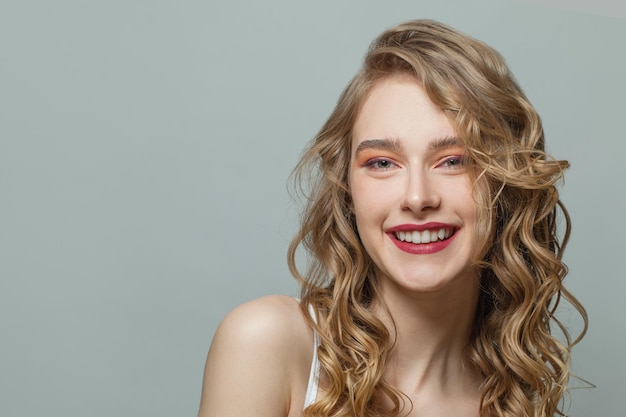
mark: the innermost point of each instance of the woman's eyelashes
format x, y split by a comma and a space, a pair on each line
380, 164
455, 161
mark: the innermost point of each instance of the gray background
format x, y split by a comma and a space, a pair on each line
145, 148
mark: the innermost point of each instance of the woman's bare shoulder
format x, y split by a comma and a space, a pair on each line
259, 358
266, 322
272, 313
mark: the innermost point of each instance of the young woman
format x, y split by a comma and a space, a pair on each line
435, 262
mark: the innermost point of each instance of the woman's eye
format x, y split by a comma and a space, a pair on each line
380, 164
452, 162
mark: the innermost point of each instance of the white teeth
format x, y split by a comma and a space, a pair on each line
425, 236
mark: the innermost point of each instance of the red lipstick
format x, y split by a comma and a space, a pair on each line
422, 248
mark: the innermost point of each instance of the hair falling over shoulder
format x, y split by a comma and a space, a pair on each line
525, 365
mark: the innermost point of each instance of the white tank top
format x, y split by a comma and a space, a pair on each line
311, 390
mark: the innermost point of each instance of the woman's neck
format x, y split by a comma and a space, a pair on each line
429, 332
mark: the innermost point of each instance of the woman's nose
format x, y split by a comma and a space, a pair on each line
420, 193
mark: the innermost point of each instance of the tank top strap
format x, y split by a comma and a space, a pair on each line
312, 388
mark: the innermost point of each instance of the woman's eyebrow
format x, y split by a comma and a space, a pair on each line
388, 144
447, 142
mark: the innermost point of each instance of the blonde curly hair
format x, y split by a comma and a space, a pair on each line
525, 367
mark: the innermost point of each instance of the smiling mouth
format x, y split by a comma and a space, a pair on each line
424, 236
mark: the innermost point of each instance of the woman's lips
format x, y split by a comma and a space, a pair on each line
422, 239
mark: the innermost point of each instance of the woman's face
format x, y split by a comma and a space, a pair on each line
412, 195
